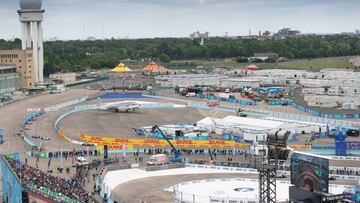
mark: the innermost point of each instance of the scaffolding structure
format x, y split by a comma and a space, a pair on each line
268, 162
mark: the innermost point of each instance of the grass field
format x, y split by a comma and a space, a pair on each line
303, 64
318, 63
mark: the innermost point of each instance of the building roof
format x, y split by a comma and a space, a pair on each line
252, 67
121, 68
152, 67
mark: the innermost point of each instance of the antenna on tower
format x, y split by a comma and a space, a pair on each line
84, 38
103, 33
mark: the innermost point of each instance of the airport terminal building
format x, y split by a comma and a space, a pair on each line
9, 78
23, 61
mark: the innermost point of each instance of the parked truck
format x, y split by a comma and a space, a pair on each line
157, 159
226, 96
57, 89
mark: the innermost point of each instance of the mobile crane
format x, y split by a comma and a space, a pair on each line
177, 157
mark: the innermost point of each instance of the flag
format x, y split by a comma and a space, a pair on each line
61, 159
73, 155
49, 162
37, 162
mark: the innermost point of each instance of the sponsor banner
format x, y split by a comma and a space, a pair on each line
114, 147
299, 147
353, 145
50, 109
61, 133
37, 198
136, 142
33, 109
242, 145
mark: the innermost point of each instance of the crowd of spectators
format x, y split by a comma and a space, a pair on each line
345, 171
71, 188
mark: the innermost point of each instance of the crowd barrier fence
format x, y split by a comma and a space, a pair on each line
232, 107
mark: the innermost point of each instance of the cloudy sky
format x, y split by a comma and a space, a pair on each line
77, 19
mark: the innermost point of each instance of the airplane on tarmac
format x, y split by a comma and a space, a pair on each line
125, 106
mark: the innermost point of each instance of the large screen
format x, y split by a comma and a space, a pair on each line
310, 172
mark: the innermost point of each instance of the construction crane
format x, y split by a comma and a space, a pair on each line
177, 157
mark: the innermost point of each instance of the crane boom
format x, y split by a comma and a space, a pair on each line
164, 136
177, 157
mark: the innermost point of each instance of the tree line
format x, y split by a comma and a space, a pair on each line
76, 55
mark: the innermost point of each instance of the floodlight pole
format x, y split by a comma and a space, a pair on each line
267, 169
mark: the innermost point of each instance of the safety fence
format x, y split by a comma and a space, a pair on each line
156, 143
271, 115
66, 104
284, 169
24, 127
2, 139
284, 102
156, 105
49, 194
185, 197
230, 100
62, 115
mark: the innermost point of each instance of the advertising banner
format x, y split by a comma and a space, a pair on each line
11, 187
353, 145
158, 143
38, 199
299, 147
310, 172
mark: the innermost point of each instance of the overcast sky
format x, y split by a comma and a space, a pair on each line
66, 19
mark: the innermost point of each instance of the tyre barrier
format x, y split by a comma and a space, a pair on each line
325, 147
30, 118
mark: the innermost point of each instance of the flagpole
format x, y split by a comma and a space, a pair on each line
61, 159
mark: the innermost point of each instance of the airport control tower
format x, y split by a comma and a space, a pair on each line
31, 17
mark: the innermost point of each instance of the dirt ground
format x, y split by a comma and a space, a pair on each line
111, 124
106, 124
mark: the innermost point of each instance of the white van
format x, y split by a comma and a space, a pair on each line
81, 161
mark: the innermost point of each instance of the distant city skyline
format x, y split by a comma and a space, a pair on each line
79, 19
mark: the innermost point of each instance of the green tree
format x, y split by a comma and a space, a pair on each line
242, 59
164, 58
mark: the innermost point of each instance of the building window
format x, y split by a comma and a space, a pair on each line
19, 61
19, 66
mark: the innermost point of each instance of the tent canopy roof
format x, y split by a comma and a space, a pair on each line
152, 67
121, 68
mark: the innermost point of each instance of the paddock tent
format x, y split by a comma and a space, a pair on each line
254, 123
209, 123
152, 67
121, 68
252, 68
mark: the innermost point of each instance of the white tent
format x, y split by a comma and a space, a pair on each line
209, 124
